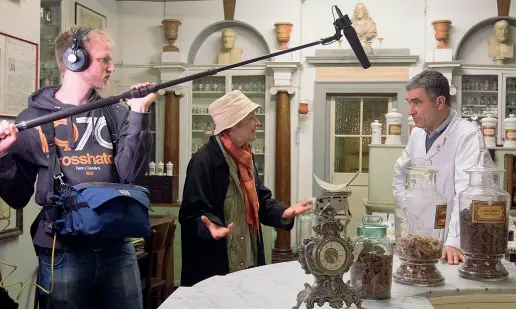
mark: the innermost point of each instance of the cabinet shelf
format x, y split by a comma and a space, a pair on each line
49, 71
499, 95
208, 93
203, 114
479, 91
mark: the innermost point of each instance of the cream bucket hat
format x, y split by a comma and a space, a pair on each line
230, 110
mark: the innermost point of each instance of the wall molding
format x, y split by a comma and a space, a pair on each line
346, 57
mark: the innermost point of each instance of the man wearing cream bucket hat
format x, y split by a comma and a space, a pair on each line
224, 201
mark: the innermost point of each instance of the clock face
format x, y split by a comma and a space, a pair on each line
332, 256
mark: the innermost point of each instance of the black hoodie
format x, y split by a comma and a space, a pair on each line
85, 152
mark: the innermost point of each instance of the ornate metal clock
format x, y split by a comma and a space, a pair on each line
327, 257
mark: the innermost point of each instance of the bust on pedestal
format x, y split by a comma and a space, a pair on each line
229, 54
364, 26
500, 47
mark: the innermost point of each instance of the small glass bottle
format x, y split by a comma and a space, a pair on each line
420, 218
484, 220
371, 272
304, 226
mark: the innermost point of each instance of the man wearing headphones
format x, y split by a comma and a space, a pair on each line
111, 144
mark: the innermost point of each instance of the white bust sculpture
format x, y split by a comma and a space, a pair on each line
500, 46
229, 53
364, 26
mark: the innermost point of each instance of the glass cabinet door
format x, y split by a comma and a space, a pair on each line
479, 96
204, 91
510, 96
253, 86
50, 22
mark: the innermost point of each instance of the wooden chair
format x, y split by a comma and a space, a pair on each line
510, 187
151, 283
167, 265
510, 177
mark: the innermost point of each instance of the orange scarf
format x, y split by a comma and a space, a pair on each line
244, 161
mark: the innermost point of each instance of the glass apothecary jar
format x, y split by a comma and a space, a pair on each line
371, 272
305, 223
484, 220
420, 218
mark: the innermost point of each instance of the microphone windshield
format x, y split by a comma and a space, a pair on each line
354, 42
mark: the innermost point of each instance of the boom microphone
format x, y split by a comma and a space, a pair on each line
344, 23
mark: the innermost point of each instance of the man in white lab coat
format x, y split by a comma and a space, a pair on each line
450, 142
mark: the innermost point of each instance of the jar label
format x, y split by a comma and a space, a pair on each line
440, 217
489, 130
510, 134
394, 129
485, 213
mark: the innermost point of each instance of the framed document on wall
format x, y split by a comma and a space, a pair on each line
18, 73
88, 18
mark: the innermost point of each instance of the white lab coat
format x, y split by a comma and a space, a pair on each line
456, 150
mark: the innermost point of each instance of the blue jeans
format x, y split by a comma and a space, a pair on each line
105, 277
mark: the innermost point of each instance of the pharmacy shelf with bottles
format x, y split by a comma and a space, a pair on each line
50, 23
486, 93
208, 89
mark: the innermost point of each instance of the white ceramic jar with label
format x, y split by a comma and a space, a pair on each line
170, 168
489, 125
160, 169
510, 131
393, 128
152, 168
411, 124
376, 133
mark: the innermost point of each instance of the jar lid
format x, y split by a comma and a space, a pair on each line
489, 117
512, 118
484, 164
394, 114
371, 226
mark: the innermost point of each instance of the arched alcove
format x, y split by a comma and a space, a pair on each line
206, 45
472, 48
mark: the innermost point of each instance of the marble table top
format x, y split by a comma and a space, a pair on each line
276, 287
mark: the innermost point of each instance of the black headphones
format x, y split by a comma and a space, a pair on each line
76, 58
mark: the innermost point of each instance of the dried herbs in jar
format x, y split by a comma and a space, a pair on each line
420, 214
484, 220
371, 272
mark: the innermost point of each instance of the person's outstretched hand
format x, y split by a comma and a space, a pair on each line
217, 231
453, 255
297, 209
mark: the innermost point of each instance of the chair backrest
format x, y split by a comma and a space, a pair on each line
153, 244
510, 177
169, 252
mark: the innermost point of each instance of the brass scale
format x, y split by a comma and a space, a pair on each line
329, 255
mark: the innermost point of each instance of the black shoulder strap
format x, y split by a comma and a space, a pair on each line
54, 168
112, 123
